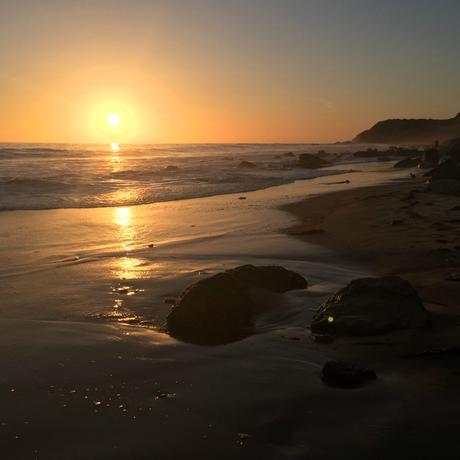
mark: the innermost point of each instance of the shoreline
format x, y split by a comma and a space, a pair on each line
399, 228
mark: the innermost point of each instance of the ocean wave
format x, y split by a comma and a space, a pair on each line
21, 184
50, 176
141, 196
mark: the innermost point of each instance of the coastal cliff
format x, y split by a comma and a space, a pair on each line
410, 131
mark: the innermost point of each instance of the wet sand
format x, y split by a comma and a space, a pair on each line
86, 377
402, 229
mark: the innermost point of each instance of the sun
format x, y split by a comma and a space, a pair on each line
113, 120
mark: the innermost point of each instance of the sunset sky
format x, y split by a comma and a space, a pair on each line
223, 71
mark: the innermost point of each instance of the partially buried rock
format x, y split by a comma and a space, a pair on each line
345, 375
371, 306
222, 308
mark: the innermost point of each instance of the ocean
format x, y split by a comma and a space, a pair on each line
53, 176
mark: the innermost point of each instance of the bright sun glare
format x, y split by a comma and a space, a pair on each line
113, 119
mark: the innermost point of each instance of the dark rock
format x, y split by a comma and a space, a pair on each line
241, 197
222, 309
247, 165
344, 375
171, 168
371, 306
307, 160
396, 222
288, 154
407, 163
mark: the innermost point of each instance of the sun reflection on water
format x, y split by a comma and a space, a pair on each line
129, 268
126, 231
123, 216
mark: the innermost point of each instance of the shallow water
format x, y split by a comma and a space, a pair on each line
123, 263
44, 176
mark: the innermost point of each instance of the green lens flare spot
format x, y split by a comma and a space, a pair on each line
330, 319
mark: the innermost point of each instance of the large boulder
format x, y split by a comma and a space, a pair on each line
371, 306
222, 308
309, 161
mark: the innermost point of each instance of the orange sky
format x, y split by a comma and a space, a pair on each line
214, 71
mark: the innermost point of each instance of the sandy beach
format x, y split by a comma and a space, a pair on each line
229, 230
399, 229
100, 380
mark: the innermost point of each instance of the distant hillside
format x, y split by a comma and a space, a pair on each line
415, 131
